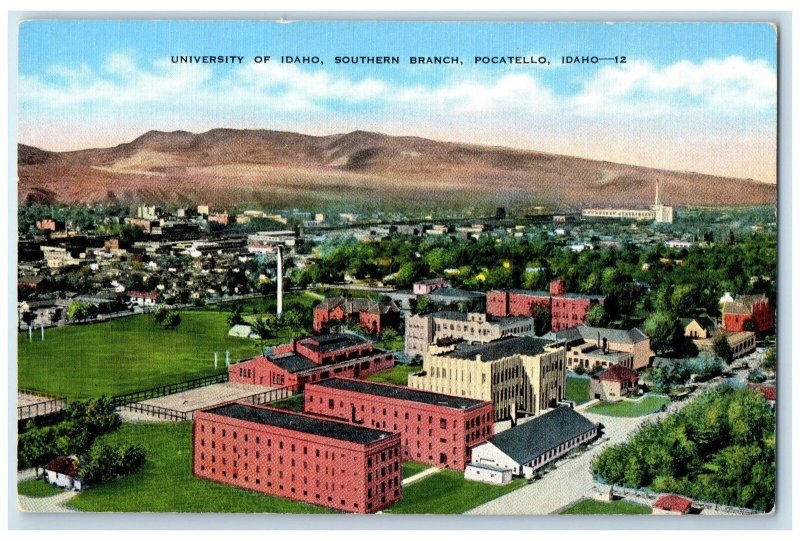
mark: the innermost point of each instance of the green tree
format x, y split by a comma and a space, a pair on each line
80, 311
770, 361
235, 317
292, 321
722, 349
663, 329
597, 316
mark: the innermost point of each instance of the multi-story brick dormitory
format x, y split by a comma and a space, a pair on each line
436, 429
372, 316
425, 329
518, 374
592, 347
313, 359
300, 457
748, 313
566, 309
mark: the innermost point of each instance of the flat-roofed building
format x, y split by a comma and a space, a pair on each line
296, 456
435, 429
426, 329
519, 374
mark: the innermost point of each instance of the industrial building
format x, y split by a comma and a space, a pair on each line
657, 213
299, 457
372, 316
435, 429
313, 359
531, 445
519, 375
425, 329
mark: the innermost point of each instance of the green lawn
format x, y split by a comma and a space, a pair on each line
412, 468
626, 408
292, 300
293, 403
126, 354
37, 488
616, 507
448, 493
166, 484
577, 389
396, 376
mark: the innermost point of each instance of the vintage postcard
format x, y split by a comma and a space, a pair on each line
373, 267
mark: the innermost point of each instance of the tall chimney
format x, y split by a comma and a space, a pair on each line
280, 280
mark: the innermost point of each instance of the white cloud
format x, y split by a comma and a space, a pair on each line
727, 85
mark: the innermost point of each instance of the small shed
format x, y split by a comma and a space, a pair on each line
240, 331
670, 504
62, 471
487, 473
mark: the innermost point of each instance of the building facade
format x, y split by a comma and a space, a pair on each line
593, 347
372, 316
566, 309
748, 313
299, 457
613, 384
425, 329
434, 428
519, 375
313, 359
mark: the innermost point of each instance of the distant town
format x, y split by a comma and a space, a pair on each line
607, 360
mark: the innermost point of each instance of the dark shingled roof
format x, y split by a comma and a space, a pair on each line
525, 442
292, 362
402, 393
630, 336
300, 423
499, 349
332, 342
454, 293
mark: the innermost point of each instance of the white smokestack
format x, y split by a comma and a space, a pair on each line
280, 280
227, 358
215, 360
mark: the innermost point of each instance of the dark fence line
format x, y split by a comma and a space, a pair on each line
157, 392
45, 407
272, 395
158, 412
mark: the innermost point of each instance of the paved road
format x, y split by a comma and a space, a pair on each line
571, 480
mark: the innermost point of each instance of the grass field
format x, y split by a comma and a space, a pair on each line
448, 493
134, 353
616, 507
293, 403
37, 488
166, 484
627, 408
412, 468
577, 390
396, 376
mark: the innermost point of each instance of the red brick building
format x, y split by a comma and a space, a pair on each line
313, 359
296, 456
372, 316
748, 308
567, 310
435, 428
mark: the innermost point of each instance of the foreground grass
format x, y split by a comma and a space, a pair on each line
166, 484
577, 389
37, 488
412, 468
616, 507
447, 492
625, 408
396, 376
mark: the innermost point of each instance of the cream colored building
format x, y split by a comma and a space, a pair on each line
519, 374
426, 329
742, 343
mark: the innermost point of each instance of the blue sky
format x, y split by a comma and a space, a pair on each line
696, 96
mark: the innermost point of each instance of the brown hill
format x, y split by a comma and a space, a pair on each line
236, 168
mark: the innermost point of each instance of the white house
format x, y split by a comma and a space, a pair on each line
63, 472
529, 446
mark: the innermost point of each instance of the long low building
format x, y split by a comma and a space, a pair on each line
519, 374
300, 457
528, 446
426, 329
590, 347
436, 429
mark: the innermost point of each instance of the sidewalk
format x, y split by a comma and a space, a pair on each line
419, 476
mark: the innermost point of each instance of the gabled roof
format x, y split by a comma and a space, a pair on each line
671, 502
292, 362
619, 336
618, 373
63, 465
527, 441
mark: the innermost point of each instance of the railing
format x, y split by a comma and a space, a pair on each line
45, 407
164, 390
272, 395
649, 497
159, 412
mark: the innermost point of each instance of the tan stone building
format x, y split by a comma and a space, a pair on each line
590, 347
424, 330
613, 384
742, 343
519, 374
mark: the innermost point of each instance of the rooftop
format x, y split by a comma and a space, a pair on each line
671, 502
500, 349
620, 336
332, 342
526, 441
401, 393
453, 292
300, 423
292, 362
618, 373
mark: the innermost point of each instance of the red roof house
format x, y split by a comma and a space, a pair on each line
670, 504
